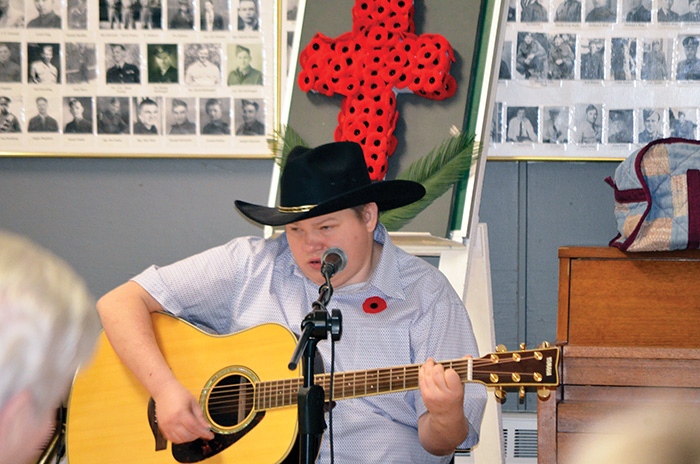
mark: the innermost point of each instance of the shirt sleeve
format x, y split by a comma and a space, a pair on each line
443, 331
200, 288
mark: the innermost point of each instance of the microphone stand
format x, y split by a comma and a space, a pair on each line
311, 397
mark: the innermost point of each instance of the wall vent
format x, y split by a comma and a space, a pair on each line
519, 440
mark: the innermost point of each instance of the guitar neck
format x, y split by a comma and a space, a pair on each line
524, 368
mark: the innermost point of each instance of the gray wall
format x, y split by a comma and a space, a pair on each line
110, 218
532, 209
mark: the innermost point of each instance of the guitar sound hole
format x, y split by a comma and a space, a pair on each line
231, 400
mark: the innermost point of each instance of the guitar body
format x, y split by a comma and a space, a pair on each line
111, 417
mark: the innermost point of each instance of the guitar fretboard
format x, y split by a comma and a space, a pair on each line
354, 384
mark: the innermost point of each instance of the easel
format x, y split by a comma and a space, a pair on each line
463, 257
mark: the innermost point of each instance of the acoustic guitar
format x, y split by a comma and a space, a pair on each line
246, 392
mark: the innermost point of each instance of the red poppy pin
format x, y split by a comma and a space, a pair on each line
374, 305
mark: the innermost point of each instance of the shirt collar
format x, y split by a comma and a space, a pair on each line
385, 279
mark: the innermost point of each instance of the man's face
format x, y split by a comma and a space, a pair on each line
114, 107
43, 6
42, 106
694, 6
148, 115
46, 54
118, 53
308, 239
249, 113
4, 104
4, 4
652, 122
4, 54
247, 11
595, 46
591, 115
76, 109
203, 55
180, 114
243, 59
214, 112
666, 4
690, 48
163, 61
528, 39
558, 41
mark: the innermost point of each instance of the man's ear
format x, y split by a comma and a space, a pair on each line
370, 214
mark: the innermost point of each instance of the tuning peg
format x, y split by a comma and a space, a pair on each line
543, 393
521, 394
522, 347
501, 349
544, 344
500, 394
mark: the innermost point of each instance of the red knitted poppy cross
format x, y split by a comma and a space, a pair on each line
368, 66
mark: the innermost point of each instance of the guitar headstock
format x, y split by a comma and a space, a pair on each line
525, 368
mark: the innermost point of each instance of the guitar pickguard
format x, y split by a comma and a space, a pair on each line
199, 450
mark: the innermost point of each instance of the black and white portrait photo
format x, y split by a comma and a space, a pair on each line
593, 59
666, 13
162, 64
122, 63
215, 116
533, 11
10, 114
636, 11
44, 63
44, 14
621, 126
203, 64
683, 123
555, 124
113, 115
601, 11
562, 56
656, 58
180, 14
44, 120
692, 14
10, 56
213, 15
688, 65
623, 58
244, 64
248, 16
77, 16
522, 124
567, 11
653, 123
588, 124
249, 116
531, 55
11, 14
77, 111
181, 116
81, 63
147, 115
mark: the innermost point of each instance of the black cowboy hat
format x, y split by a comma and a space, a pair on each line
326, 179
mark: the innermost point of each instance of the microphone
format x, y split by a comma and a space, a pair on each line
333, 261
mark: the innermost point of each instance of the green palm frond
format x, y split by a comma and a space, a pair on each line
437, 171
282, 143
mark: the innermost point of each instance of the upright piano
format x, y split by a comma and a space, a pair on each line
628, 325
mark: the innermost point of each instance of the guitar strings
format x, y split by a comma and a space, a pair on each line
282, 393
